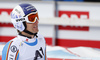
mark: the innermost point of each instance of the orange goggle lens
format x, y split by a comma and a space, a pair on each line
32, 17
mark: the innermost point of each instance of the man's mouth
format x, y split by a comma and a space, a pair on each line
35, 27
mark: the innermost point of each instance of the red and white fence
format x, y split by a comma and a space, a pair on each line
78, 25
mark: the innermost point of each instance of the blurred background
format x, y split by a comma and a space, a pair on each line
71, 27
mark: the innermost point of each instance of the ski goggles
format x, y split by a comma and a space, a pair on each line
31, 18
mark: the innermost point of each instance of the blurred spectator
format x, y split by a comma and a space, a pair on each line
70, 0
91, 0
49, 0
75, 0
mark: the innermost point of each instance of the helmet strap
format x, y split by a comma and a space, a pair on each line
28, 32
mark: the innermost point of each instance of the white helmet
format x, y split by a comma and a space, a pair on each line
20, 15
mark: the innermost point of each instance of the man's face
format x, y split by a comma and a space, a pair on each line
32, 27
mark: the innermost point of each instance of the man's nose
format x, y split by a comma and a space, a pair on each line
37, 22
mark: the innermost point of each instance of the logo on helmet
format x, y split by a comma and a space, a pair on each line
20, 19
17, 11
33, 10
30, 8
14, 16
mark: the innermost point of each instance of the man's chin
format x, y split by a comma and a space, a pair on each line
36, 31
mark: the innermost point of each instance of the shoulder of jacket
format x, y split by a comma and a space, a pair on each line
41, 37
12, 47
16, 42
